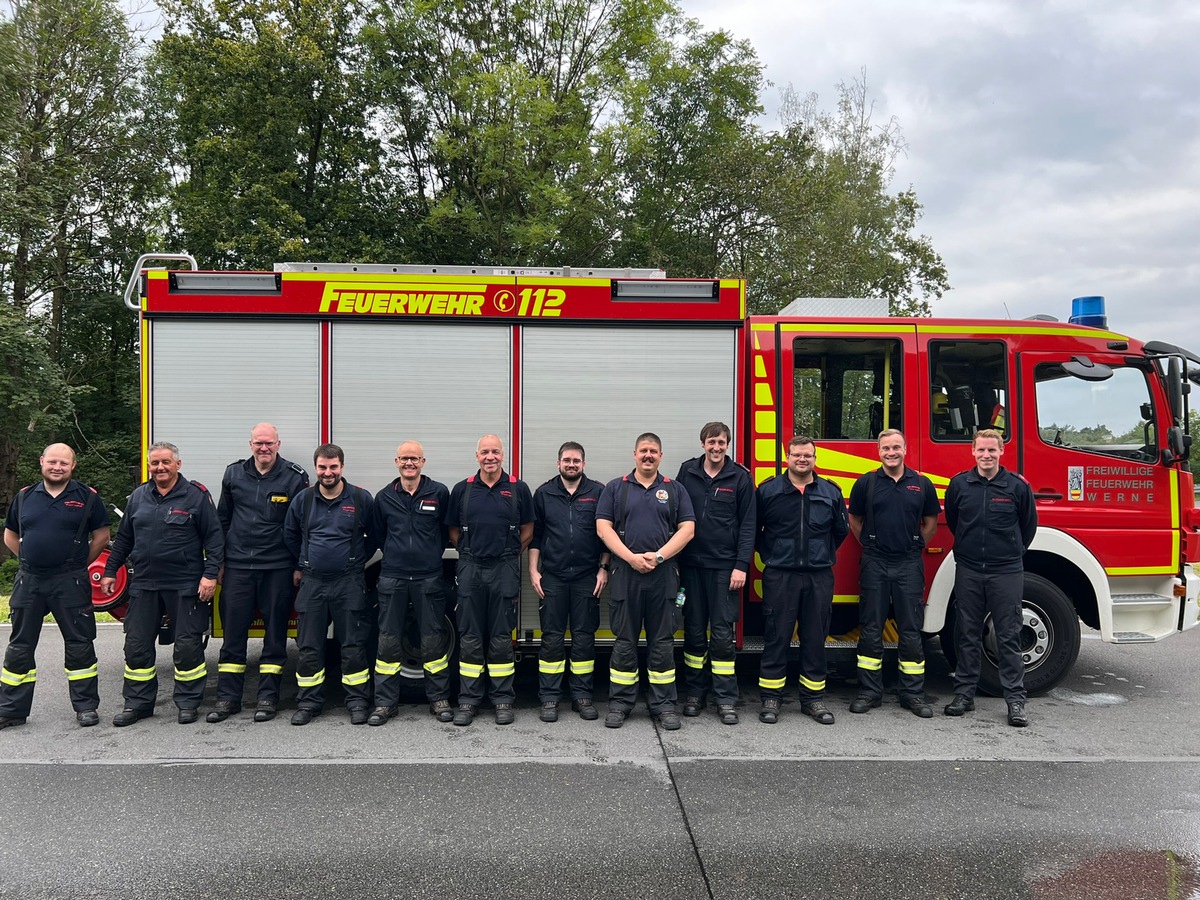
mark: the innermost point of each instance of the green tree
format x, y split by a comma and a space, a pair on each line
269, 111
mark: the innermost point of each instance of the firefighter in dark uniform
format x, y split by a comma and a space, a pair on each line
491, 523
327, 530
409, 523
568, 567
801, 522
893, 514
714, 567
172, 538
47, 529
255, 494
645, 519
993, 517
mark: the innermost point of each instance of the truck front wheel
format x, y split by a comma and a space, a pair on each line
1049, 639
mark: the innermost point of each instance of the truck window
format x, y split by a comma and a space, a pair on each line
1114, 417
846, 389
968, 388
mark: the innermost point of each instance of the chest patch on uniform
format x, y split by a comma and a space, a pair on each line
427, 506
279, 498
74, 504
662, 495
348, 509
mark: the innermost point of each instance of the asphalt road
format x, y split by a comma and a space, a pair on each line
1097, 799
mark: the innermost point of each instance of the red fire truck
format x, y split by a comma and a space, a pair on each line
367, 355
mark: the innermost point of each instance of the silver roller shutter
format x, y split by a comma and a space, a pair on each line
213, 381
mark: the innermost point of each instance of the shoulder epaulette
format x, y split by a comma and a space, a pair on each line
199, 485
296, 467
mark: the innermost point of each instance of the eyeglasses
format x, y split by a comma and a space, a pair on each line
409, 459
263, 445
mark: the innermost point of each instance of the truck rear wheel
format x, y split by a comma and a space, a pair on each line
1049, 639
412, 669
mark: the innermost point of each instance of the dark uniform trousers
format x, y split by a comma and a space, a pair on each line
68, 595
568, 603
709, 600
427, 599
486, 610
976, 596
142, 622
897, 581
794, 598
342, 598
638, 599
243, 591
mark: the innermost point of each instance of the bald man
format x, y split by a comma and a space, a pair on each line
491, 523
56, 529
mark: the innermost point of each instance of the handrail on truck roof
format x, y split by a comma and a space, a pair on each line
137, 273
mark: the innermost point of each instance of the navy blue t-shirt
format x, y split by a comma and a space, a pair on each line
48, 525
490, 515
647, 510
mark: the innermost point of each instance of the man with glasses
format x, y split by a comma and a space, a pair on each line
802, 521
255, 495
568, 567
409, 523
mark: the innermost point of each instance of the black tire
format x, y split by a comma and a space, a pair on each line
412, 685
946, 638
1049, 639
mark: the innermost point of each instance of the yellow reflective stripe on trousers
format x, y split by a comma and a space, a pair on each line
502, 670
583, 666
82, 674
665, 677
356, 678
547, 667
773, 684
912, 667
616, 676
15, 678
307, 681
694, 662
383, 667
722, 667
232, 668
270, 669
438, 665
470, 670
812, 685
870, 663
191, 674
139, 674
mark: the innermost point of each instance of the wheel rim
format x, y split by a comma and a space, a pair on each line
1036, 638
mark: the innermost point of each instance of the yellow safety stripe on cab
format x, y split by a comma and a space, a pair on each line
812, 685
383, 667
665, 677
502, 670
912, 667
694, 662
270, 669
870, 663
437, 665
82, 674
616, 676
548, 667
191, 674
722, 667
307, 681
16, 678
232, 668
470, 670
353, 679
139, 674
583, 666
772, 684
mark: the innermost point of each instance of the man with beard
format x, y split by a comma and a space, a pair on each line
172, 537
47, 529
326, 530
255, 495
568, 567
409, 523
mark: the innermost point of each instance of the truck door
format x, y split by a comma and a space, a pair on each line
1091, 453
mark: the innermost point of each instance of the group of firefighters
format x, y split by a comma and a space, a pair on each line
656, 543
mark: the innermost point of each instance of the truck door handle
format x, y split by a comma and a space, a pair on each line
1047, 495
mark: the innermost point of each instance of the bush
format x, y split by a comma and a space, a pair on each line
8, 573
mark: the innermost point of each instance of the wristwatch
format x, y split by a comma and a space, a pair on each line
605, 567
659, 558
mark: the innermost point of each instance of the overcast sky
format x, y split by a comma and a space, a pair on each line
1055, 145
